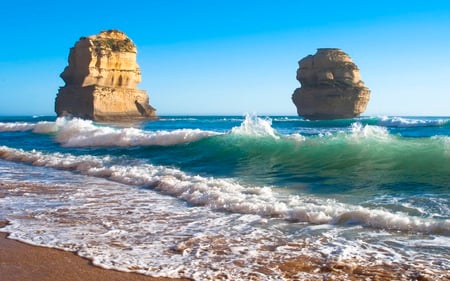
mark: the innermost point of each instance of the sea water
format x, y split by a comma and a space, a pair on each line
234, 197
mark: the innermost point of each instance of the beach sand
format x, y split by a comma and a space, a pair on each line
23, 262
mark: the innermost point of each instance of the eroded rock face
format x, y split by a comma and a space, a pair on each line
101, 80
331, 87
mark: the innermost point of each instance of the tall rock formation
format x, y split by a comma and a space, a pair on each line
331, 87
101, 80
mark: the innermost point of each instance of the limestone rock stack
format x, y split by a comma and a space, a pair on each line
101, 80
331, 87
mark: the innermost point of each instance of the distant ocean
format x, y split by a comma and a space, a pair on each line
233, 197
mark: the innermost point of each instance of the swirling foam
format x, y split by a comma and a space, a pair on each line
85, 133
256, 127
227, 195
359, 130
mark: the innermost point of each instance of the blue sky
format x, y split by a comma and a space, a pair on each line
233, 57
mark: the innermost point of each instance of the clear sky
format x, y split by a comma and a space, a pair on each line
233, 56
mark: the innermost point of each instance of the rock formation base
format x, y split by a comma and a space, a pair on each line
330, 103
103, 103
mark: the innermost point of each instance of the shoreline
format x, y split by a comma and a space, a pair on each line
20, 261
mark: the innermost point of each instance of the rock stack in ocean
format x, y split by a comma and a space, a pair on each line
101, 80
331, 87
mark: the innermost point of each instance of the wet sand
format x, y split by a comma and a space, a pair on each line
23, 262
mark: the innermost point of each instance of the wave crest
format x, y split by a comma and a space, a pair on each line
256, 127
16, 126
359, 130
227, 195
412, 122
84, 133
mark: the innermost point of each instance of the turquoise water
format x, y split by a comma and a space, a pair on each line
371, 190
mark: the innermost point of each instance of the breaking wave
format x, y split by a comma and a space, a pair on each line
85, 133
413, 122
228, 195
82, 133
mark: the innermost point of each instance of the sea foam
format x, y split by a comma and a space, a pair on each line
359, 130
411, 122
228, 195
85, 133
134, 212
16, 126
256, 127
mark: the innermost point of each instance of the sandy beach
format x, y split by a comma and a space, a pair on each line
22, 262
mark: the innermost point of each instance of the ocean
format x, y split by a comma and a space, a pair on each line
234, 197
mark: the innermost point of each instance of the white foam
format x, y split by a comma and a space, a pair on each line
46, 127
287, 119
227, 195
411, 122
132, 229
296, 137
85, 133
359, 130
383, 219
179, 118
16, 126
41, 127
256, 127
81, 133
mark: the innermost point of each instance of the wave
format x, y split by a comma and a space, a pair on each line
81, 133
357, 155
16, 126
202, 118
384, 121
177, 118
85, 133
360, 155
406, 122
227, 194
256, 127
39, 127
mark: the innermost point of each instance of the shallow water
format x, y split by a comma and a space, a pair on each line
231, 197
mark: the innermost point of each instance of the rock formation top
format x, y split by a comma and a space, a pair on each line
331, 86
101, 80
